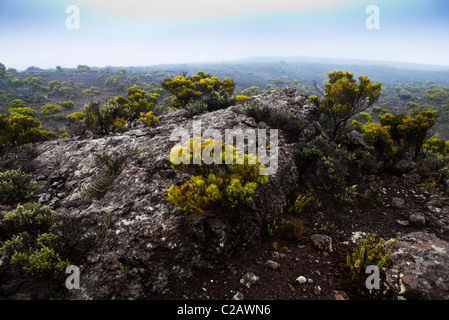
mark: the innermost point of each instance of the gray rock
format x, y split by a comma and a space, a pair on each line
137, 226
301, 280
322, 241
249, 279
272, 264
419, 267
404, 94
397, 203
418, 218
238, 296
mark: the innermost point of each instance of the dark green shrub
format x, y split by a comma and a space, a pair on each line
30, 217
290, 123
292, 229
26, 111
15, 185
99, 118
19, 129
51, 111
34, 247
69, 104
110, 167
17, 103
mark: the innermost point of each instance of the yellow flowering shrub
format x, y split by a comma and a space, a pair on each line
220, 176
367, 252
120, 124
148, 118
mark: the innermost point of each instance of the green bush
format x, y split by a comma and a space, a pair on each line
30, 217
148, 118
69, 104
99, 118
136, 102
75, 117
19, 129
110, 166
17, 103
292, 229
217, 94
368, 252
291, 124
26, 111
217, 184
15, 185
33, 247
379, 137
50, 110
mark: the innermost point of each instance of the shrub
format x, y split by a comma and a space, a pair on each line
17, 103
187, 90
50, 110
75, 117
292, 229
366, 253
344, 98
148, 118
217, 183
379, 137
110, 167
120, 124
99, 118
299, 204
26, 111
291, 124
15, 185
30, 217
435, 145
251, 91
69, 104
136, 101
20, 129
241, 98
33, 247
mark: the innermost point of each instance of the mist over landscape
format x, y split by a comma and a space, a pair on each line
350, 97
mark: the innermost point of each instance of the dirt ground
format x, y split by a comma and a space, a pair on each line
326, 273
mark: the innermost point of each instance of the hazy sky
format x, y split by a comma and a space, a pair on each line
140, 33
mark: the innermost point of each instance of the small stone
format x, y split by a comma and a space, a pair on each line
317, 290
340, 295
398, 203
249, 279
301, 280
272, 264
418, 218
238, 296
322, 241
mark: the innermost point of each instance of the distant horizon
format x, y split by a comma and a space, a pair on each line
273, 59
47, 33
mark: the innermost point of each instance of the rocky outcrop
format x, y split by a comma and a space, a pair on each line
419, 267
140, 241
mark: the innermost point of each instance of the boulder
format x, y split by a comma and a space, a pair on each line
141, 242
419, 267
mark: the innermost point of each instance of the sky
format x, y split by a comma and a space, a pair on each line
99, 33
